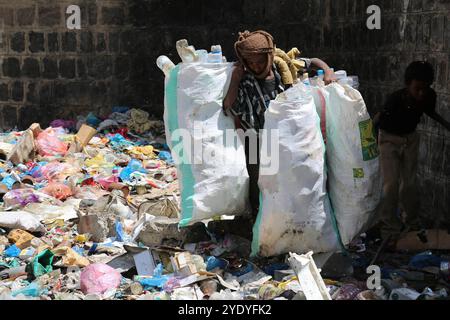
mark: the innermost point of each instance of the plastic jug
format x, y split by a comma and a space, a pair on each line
216, 54
185, 51
165, 64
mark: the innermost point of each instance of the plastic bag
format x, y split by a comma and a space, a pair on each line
56, 171
354, 179
106, 182
294, 213
20, 198
99, 278
12, 251
20, 220
58, 190
34, 289
118, 142
41, 264
48, 144
217, 186
133, 166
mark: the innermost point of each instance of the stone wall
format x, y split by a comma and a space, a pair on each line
48, 71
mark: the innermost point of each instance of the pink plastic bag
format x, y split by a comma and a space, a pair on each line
48, 144
106, 182
20, 197
56, 171
58, 190
99, 278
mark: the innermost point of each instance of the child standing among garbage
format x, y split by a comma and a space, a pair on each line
399, 146
254, 83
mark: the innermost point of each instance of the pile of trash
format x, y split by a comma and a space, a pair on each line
94, 216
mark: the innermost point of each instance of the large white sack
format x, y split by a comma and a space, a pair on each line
217, 183
295, 212
21, 220
352, 158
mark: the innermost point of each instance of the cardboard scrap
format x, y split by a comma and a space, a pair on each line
437, 240
20, 238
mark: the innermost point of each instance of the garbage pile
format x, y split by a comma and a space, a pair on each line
94, 215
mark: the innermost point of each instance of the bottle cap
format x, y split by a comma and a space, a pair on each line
216, 49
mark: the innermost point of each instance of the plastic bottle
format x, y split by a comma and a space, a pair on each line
185, 51
216, 54
202, 55
165, 64
341, 74
445, 269
355, 82
306, 79
321, 74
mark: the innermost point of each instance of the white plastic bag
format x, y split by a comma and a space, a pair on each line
216, 183
294, 211
21, 220
352, 158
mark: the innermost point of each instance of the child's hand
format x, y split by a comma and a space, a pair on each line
329, 76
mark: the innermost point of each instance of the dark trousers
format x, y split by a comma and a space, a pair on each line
253, 173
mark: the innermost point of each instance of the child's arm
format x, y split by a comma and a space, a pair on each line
376, 119
232, 93
435, 116
329, 74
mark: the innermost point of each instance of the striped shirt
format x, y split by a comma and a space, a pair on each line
253, 100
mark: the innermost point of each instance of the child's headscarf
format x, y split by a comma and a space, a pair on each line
251, 43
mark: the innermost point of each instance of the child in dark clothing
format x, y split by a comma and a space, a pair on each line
399, 145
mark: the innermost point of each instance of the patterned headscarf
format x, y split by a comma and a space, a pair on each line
251, 43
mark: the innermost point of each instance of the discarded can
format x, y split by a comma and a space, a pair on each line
136, 288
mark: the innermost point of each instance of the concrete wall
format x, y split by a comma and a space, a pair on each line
48, 72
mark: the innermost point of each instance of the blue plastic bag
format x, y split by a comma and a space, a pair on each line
118, 142
157, 281
166, 156
213, 262
133, 166
92, 120
426, 259
32, 290
120, 109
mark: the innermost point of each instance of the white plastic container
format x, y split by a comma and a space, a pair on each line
341, 74
308, 276
216, 54
185, 51
165, 64
305, 80
202, 55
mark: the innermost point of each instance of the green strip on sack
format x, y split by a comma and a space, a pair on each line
334, 221
256, 229
187, 178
